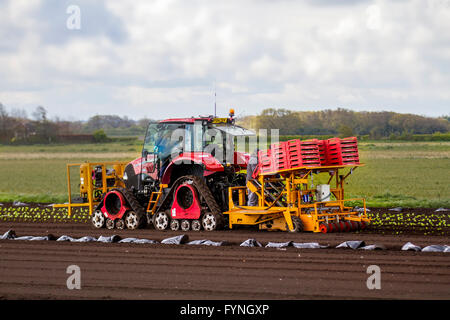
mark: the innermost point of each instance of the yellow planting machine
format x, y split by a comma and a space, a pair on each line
191, 177
287, 199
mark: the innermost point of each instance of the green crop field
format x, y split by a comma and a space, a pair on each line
407, 174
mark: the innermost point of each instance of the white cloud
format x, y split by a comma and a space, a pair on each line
369, 54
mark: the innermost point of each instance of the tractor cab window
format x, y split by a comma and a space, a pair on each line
214, 142
150, 138
222, 139
193, 137
165, 138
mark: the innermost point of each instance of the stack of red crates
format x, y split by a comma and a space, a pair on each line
264, 161
323, 152
314, 152
342, 151
279, 156
303, 153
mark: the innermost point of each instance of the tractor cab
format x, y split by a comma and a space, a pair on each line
205, 144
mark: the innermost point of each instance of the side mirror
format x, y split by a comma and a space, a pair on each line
144, 154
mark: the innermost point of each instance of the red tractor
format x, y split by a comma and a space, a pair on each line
181, 180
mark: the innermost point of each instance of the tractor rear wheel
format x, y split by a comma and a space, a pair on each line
98, 219
211, 221
161, 220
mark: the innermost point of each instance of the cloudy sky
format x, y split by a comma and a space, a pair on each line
163, 58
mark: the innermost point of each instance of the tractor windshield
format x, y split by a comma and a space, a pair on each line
150, 138
163, 138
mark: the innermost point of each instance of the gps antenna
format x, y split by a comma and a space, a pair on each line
215, 105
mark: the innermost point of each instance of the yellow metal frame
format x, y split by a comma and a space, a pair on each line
154, 199
86, 185
295, 182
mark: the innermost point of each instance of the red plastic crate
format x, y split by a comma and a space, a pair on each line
310, 152
303, 153
279, 156
265, 161
342, 151
293, 148
323, 152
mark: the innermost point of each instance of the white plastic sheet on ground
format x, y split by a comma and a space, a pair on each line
376, 246
308, 245
110, 239
411, 247
206, 243
436, 248
82, 239
136, 240
104, 239
18, 203
8, 235
250, 243
351, 244
176, 240
32, 238
279, 244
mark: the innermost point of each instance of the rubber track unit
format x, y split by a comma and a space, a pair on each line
203, 191
132, 201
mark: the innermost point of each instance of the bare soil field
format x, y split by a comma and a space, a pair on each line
37, 269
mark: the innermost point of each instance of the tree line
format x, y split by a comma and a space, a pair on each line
17, 128
345, 122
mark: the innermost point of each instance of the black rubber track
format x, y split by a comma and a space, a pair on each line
204, 192
132, 202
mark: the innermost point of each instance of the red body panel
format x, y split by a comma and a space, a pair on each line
147, 166
209, 163
124, 208
193, 212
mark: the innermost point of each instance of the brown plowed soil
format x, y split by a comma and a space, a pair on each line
37, 269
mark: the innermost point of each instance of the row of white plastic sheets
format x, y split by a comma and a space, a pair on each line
184, 239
